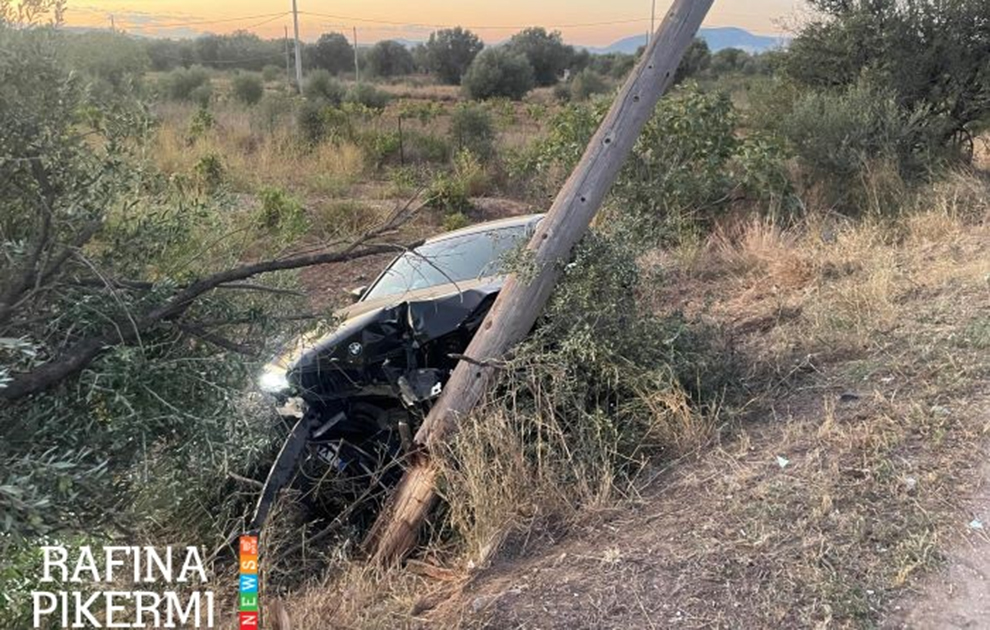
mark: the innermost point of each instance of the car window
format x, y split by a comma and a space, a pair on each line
454, 259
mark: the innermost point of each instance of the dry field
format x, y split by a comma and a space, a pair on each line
824, 501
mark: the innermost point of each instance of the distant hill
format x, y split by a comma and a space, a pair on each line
717, 38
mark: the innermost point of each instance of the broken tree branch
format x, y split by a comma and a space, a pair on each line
521, 300
84, 351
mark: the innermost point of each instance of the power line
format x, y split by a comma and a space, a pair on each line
273, 16
472, 26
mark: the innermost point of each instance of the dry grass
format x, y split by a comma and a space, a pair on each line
834, 490
254, 158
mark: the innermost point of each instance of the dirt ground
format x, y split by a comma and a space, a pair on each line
958, 597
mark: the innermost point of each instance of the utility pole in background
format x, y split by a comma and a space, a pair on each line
288, 72
357, 69
113, 28
295, 24
653, 23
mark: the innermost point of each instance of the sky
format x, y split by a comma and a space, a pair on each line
588, 22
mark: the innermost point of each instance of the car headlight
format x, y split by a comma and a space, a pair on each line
274, 382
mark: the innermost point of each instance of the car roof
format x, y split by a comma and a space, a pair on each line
509, 222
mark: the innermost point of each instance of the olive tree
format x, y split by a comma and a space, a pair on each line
498, 72
332, 52
932, 56
545, 51
123, 344
449, 53
388, 59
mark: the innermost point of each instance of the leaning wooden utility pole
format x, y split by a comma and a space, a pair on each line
521, 300
295, 28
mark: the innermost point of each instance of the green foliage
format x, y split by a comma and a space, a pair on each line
109, 56
181, 84
248, 88
449, 194
368, 96
598, 389
449, 53
614, 65
322, 88
930, 57
498, 72
696, 60
281, 214
586, 84
93, 244
210, 171
420, 146
389, 59
273, 112
311, 122
546, 53
683, 167
332, 52
455, 221
471, 128
840, 136
271, 72
201, 122
202, 95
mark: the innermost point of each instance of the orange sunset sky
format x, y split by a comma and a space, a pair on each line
589, 22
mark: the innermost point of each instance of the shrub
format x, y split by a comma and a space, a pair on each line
586, 84
455, 221
931, 57
599, 389
388, 59
471, 129
470, 173
179, 84
248, 88
311, 122
425, 147
341, 218
271, 72
322, 87
281, 214
201, 122
682, 169
209, 169
332, 52
546, 52
450, 52
202, 95
271, 113
498, 72
448, 194
839, 137
368, 96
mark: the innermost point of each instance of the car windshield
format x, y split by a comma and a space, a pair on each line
454, 259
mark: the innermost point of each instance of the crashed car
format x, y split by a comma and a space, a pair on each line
355, 394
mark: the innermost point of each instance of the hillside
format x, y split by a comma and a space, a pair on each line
717, 39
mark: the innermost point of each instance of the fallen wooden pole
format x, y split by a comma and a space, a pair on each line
520, 302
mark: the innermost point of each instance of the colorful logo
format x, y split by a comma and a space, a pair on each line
248, 583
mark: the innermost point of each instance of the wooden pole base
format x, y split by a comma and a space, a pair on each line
396, 531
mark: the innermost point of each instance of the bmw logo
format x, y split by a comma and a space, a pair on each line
355, 349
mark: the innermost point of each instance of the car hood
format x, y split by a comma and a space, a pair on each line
424, 314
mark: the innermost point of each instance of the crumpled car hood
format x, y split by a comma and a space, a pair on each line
383, 327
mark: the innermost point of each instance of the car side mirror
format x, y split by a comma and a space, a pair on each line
357, 294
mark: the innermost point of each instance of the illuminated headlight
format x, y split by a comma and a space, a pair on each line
274, 382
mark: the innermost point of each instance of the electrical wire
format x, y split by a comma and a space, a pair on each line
471, 26
273, 16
